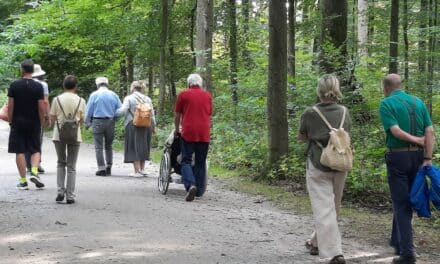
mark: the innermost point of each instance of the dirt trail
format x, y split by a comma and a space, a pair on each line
119, 219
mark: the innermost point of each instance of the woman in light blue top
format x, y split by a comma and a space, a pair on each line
137, 139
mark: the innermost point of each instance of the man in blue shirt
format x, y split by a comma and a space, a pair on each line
100, 115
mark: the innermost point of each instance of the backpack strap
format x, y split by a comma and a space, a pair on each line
61, 107
77, 108
322, 117
344, 113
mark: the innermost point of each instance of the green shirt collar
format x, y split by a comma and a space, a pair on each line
399, 91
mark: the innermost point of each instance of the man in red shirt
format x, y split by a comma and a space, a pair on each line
193, 111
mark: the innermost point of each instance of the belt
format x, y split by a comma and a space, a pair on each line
407, 149
102, 117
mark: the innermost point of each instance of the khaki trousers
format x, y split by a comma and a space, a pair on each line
325, 191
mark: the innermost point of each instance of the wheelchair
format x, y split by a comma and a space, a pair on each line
170, 165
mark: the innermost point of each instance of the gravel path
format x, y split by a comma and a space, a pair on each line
119, 219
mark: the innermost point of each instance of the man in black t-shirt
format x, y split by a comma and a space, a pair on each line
26, 115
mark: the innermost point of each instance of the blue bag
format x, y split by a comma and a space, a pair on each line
434, 192
419, 195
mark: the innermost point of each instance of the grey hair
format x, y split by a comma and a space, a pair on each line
195, 80
136, 86
329, 88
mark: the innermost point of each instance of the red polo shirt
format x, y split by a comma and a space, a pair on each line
195, 105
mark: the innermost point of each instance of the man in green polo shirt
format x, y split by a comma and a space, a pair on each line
409, 140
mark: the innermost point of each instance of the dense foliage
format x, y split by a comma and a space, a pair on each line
121, 39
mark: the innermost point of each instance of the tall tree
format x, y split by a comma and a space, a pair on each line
292, 40
394, 37
363, 27
245, 10
433, 10
203, 47
333, 40
162, 59
277, 86
233, 49
423, 14
191, 32
405, 40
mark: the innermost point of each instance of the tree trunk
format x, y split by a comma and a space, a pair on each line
150, 81
291, 46
193, 22
130, 70
162, 59
371, 14
432, 47
173, 92
333, 41
203, 49
233, 49
277, 86
123, 83
422, 37
405, 41
245, 5
363, 27
394, 36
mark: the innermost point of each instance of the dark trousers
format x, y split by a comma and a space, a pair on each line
194, 175
402, 168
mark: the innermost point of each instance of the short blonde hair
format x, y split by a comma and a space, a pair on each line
195, 80
329, 88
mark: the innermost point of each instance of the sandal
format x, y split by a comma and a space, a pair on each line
314, 251
339, 259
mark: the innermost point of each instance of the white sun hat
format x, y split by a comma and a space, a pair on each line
38, 71
101, 80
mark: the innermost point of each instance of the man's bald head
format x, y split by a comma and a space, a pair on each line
391, 83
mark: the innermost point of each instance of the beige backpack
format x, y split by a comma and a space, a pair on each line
143, 114
338, 154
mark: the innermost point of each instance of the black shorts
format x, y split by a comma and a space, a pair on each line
24, 141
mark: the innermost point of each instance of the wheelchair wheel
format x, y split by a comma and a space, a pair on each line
165, 173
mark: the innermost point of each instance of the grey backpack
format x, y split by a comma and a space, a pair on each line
68, 131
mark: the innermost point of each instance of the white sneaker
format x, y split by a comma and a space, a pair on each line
135, 175
144, 173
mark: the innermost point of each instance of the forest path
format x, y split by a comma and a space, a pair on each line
119, 219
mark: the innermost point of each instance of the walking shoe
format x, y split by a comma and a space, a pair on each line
36, 180
41, 170
339, 259
101, 173
70, 201
23, 186
191, 194
136, 175
108, 170
144, 173
60, 198
405, 260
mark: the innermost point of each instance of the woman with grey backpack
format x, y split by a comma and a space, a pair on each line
325, 128
67, 114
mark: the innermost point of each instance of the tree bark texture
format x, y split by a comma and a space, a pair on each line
162, 58
233, 49
394, 37
203, 47
423, 36
333, 40
277, 86
405, 41
292, 41
363, 27
245, 10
